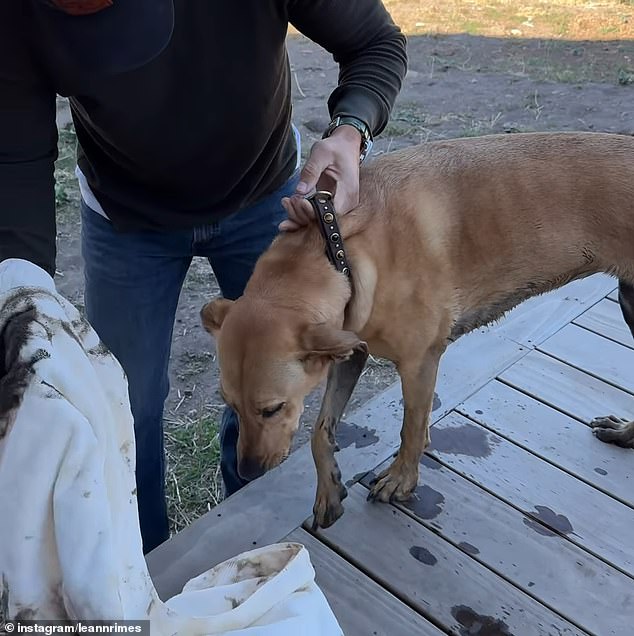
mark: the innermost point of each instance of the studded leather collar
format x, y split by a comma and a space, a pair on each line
327, 222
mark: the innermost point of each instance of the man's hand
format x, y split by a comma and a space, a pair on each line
333, 165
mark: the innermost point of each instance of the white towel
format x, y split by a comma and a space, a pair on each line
70, 544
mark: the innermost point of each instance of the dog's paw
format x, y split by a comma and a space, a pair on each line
394, 484
614, 430
328, 508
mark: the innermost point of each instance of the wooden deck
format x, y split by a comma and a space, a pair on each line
523, 522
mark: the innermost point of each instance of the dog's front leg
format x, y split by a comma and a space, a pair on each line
418, 380
342, 378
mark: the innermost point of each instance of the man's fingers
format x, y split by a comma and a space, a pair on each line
333, 165
300, 213
299, 210
289, 226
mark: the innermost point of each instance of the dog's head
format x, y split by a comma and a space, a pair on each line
270, 359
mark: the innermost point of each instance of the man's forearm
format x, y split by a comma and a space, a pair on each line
369, 48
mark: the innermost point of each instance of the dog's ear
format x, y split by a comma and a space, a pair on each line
213, 314
325, 343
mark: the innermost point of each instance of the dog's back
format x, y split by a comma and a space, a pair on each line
499, 218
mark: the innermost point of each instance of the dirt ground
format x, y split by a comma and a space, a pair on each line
502, 73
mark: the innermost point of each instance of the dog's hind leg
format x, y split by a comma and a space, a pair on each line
626, 301
612, 429
342, 378
397, 482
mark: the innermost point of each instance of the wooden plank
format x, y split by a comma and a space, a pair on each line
540, 317
606, 319
474, 359
361, 606
434, 576
555, 437
567, 389
597, 523
593, 354
544, 565
254, 516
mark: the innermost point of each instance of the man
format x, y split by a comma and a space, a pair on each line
186, 148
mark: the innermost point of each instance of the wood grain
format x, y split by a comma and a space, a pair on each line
543, 565
593, 354
606, 319
555, 437
567, 389
434, 576
566, 505
361, 605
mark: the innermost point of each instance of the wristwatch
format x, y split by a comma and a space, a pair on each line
360, 125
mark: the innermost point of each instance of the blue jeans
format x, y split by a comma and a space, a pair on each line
132, 285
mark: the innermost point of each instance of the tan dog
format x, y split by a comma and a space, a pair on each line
448, 236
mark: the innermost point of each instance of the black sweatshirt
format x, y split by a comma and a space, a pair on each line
199, 132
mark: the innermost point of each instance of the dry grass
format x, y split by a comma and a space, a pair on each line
194, 484
66, 186
552, 40
558, 19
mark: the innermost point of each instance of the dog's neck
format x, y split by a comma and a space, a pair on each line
295, 273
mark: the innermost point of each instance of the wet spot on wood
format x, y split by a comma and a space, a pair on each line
468, 548
600, 471
355, 479
360, 436
430, 462
467, 439
559, 523
534, 525
427, 503
473, 624
423, 555
369, 478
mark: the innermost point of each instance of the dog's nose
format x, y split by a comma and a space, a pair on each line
250, 469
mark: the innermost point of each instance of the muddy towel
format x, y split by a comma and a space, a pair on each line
70, 544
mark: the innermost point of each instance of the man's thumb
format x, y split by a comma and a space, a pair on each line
312, 171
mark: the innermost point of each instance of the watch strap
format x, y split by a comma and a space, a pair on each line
360, 125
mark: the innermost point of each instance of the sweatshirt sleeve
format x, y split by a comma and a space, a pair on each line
28, 149
369, 48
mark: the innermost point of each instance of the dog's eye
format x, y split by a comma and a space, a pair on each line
273, 410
